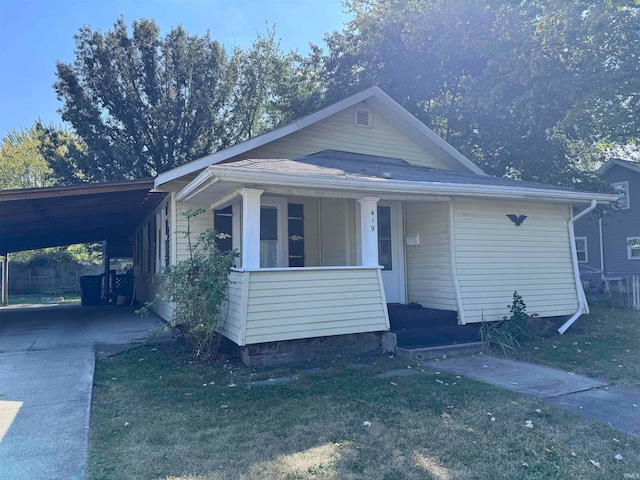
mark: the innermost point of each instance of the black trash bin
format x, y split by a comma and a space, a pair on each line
90, 290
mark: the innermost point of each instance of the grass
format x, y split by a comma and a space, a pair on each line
604, 344
152, 418
36, 298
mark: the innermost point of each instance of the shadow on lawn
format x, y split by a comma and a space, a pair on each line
158, 416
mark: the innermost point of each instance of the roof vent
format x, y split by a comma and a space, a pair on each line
363, 118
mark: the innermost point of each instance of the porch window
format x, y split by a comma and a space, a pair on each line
223, 224
384, 237
581, 249
296, 234
268, 237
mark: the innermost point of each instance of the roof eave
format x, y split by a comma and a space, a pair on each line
615, 161
370, 185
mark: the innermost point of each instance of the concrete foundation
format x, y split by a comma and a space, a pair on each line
290, 351
389, 342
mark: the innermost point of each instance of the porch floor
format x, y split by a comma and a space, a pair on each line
428, 327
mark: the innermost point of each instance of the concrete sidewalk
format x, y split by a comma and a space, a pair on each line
617, 406
46, 380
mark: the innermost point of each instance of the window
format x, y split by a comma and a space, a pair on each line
384, 238
167, 236
622, 189
633, 248
223, 224
151, 245
581, 249
268, 237
296, 234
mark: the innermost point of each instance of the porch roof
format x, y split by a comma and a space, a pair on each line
345, 171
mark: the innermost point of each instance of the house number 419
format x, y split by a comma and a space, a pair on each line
373, 221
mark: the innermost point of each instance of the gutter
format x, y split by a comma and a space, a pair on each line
582, 300
381, 186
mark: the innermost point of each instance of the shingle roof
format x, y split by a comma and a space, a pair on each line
354, 165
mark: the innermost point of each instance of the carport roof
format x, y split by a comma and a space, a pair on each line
53, 216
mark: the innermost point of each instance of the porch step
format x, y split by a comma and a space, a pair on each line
436, 336
403, 317
430, 353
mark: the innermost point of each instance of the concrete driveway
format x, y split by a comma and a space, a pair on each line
46, 377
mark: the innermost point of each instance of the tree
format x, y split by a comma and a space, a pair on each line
521, 88
142, 103
78, 254
22, 164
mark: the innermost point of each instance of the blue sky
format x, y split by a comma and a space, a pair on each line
34, 34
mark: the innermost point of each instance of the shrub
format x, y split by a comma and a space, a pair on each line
198, 288
509, 333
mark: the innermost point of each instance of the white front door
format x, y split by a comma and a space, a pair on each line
391, 251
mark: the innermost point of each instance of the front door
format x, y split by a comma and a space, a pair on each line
390, 250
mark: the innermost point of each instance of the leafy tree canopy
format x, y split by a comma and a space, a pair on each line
22, 164
145, 103
81, 254
530, 90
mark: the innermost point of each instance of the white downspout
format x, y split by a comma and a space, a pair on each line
582, 301
601, 244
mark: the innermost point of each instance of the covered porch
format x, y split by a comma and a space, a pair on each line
315, 262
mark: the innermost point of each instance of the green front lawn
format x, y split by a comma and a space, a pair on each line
604, 344
155, 415
36, 298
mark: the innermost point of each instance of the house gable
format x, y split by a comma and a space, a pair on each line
390, 127
617, 225
340, 132
623, 223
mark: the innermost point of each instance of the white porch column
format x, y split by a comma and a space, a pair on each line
251, 227
369, 230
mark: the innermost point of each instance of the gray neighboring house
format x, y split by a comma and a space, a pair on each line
611, 244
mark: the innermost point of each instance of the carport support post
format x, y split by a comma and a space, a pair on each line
5, 279
107, 268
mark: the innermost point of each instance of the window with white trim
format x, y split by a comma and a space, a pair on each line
622, 189
581, 249
633, 248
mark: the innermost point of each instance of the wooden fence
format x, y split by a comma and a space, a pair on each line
59, 278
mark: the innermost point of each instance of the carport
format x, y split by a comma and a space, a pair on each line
58, 216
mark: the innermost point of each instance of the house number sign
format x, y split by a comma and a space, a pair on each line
373, 221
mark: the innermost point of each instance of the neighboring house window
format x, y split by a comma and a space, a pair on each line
581, 249
622, 189
633, 248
